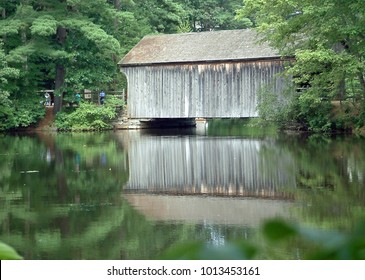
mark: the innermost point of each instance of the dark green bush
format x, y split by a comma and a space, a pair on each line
306, 110
280, 109
20, 113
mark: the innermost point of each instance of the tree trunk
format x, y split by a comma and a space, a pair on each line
3, 15
59, 82
362, 83
23, 35
342, 90
117, 7
60, 73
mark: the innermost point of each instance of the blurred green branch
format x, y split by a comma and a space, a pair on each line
320, 244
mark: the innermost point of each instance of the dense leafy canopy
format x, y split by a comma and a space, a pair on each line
207, 15
327, 40
72, 45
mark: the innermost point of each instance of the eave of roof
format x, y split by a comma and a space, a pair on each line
271, 58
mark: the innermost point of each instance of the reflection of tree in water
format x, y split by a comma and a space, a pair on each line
329, 174
72, 208
57, 201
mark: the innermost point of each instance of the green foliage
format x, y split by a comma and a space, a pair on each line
15, 112
97, 34
210, 15
359, 119
88, 51
306, 111
325, 37
276, 230
73, 207
94, 34
8, 253
315, 112
44, 26
184, 27
88, 68
74, 192
280, 108
320, 244
11, 27
89, 116
25, 112
332, 202
135, 26
163, 16
171, 16
241, 127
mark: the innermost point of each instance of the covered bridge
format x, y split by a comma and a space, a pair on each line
209, 74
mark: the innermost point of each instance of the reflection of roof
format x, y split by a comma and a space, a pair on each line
199, 47
217, 210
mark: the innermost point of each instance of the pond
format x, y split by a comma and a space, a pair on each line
133, 194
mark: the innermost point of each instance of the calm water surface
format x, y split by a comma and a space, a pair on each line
132, 194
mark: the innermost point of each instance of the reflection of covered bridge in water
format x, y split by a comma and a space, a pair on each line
207, 165
209, 74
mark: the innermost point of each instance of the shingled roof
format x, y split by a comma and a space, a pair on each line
199, 47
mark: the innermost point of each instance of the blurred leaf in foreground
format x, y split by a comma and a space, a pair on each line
8, 253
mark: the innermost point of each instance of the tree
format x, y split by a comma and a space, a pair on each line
327, 40
163, 16
53, 38
6, 108
214, 15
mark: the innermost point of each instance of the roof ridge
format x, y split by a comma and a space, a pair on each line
199, 32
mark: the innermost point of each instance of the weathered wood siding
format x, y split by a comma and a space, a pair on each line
214, 90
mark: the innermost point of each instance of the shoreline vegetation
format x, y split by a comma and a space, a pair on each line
86, 116
93, 117
76, 45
